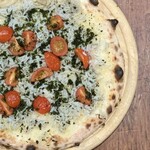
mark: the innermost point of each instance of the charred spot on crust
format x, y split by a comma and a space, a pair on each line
94, 2
116, 48
100, 122
119, 88
113, 97
55, 143
109, 109
116, 104
76, 144
88, 125
118, 73
7, 146
30, 147
113, 22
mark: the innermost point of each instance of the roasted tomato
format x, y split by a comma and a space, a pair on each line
42, 105
55, 23
83, 56
41, 73
52, 61
58, 46
12, 98
5, 33
81, 96
15, 48
5, 107
11, 77
30, 40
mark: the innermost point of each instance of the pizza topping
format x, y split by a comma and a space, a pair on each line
55, 23
52, 61
15, 48
113, 22
5, 33
30, 40
82, 97
83, 56
42, 105
12, 99
118, 73
58, 46
41, 73
11, 77
8, 111
94, 2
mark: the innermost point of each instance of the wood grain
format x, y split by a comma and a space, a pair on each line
134, 131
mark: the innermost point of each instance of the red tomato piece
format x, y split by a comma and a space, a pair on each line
5, 107
41, 73
52, 61
11, 77
12, 98
55, 23
15, 48
5, 33
42, 105
81, 96
59, 46
30, 40
83, 56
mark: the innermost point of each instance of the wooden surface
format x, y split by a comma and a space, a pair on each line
134, 132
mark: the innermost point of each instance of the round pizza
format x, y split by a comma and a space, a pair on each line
64, 68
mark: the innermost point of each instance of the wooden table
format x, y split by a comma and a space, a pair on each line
134, 132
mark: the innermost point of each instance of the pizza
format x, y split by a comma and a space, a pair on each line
63, 72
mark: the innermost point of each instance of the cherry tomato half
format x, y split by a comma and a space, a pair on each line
55, 23
12, 98
41, 73
83, 56
81, 96
30, 40
5, 33
5, 108
42, 105
58, 46
15, 48
52, 61
11, 77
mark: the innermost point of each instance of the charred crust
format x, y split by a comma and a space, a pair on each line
100, 122
88, 125
76, 144
116, 104
55, 143
116, 48
7, 146
119, 88
30, 147
94, 2
113, 97
103, 124
113, 22
118, 73
109, 109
